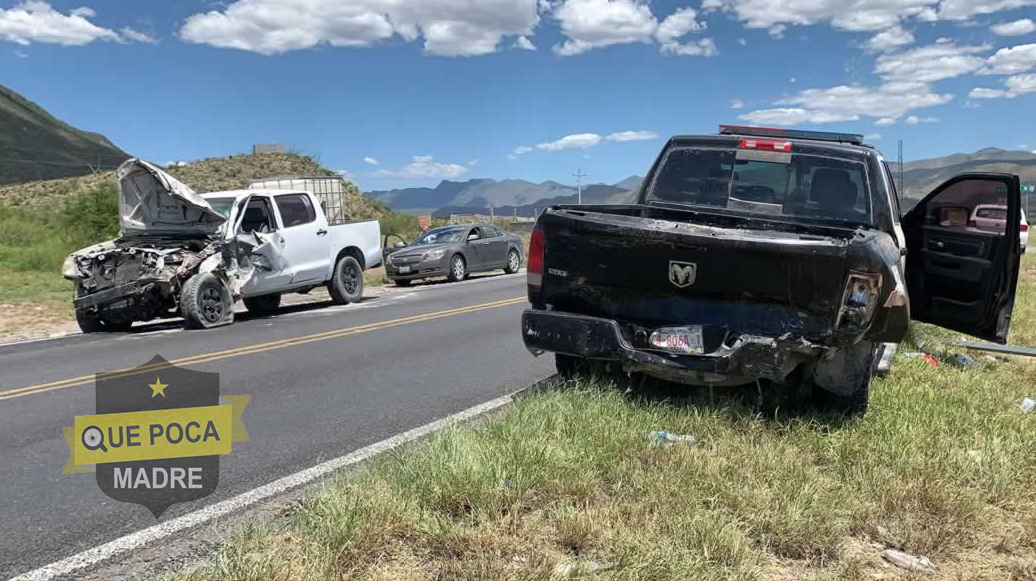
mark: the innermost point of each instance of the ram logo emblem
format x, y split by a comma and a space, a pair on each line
682, 274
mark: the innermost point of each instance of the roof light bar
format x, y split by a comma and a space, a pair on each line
852, 138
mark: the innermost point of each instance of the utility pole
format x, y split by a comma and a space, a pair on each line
902, 186
579, 175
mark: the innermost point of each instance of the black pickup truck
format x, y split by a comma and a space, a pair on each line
769, 256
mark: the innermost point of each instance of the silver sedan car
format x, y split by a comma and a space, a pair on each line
455, 252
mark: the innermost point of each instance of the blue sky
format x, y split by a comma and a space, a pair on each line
434, 89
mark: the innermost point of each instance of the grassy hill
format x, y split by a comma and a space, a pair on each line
922, 176
206, 175
34, 145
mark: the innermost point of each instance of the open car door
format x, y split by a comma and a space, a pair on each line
961, 268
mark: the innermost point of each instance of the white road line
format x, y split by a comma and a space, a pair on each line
160, 531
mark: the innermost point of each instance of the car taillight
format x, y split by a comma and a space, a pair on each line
1023, 227
534, 270
766, 144
859, 300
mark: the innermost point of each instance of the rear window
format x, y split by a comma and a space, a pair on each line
765, 182
992, 213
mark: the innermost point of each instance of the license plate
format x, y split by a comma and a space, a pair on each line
681, 340
404, 270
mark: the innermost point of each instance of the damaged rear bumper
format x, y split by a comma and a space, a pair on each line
732, 358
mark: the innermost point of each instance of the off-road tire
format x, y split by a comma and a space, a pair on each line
402, 282
263, 305
206, 302
458, 268
346, 285
514, 262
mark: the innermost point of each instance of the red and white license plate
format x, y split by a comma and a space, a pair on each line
681, 340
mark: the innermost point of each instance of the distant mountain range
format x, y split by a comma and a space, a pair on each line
36, 146
504, 196
925, 175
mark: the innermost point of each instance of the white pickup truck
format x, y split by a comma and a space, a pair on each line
193, 255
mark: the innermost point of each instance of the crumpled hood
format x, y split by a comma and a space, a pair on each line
153, 202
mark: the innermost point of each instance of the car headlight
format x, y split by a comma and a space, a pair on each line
69, 269
435, 254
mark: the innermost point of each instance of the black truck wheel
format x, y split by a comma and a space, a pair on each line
206, 302
843, 383
346, 285
263, 305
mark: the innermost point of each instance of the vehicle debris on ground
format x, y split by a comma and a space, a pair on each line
908, 561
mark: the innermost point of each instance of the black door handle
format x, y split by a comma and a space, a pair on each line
321, 232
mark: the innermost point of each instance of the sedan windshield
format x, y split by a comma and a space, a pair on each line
440, 236
765, 182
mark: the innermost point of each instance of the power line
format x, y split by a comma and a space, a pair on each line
579, 175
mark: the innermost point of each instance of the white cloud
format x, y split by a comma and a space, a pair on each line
914, 120
1014, 28
984, 93
703, 47
576, 141
521, 150
131, 35
1011, 60
35, 21
678, 24
872, 137
345, 175
964, 9
524, 43
448, 27
887, 100
424, 167
472, 162
370, 160
590, 24
21, 54
742, 42
794, 116
737, 104
1015, 86
632, 136
886, 121
890, 39
930, 63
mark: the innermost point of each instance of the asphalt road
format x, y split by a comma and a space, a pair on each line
325, 380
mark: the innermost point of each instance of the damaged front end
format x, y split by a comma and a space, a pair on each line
169, 234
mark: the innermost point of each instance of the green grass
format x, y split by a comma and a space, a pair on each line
942, 466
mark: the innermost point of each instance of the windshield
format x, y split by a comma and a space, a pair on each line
765, 182
440, 236
222, 206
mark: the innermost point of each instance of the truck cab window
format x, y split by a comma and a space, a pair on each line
258, 217
296, 209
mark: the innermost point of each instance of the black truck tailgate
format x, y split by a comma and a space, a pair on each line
659, 266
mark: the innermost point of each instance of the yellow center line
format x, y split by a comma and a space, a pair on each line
258, 348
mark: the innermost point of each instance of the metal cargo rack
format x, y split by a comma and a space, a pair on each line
330, 190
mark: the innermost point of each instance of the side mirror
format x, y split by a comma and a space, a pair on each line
398, 244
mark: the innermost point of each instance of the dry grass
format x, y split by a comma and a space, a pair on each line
941, 466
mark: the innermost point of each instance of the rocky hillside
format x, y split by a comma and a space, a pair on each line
206, 175
922, 176
36, 146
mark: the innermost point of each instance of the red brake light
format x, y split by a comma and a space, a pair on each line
1023, 227
534, 269
767, 144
